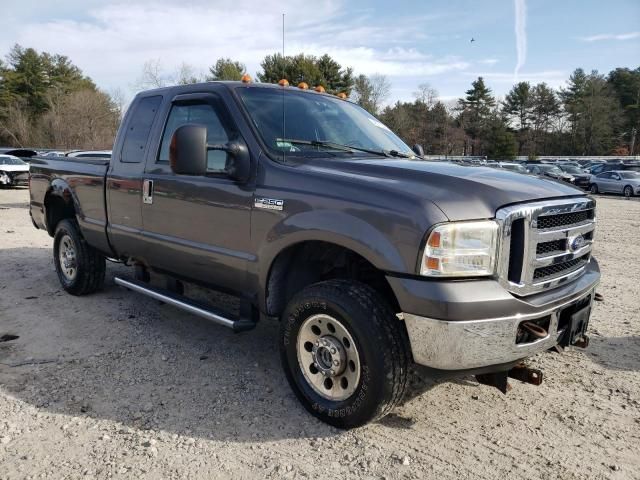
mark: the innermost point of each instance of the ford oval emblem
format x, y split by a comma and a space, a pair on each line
578, 243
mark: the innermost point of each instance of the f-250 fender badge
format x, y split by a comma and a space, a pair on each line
268, 203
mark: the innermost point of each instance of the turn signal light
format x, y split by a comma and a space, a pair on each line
284, 82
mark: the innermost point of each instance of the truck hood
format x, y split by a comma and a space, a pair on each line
461, 192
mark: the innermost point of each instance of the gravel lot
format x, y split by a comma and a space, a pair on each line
117, 385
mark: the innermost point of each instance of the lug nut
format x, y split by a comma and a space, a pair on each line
336, 363
333, 351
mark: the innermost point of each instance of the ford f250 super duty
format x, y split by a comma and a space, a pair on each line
312, 212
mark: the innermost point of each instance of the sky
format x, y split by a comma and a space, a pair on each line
411, 42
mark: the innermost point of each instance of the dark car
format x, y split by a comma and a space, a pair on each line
580, 178
548, 170
316, 215
613, 166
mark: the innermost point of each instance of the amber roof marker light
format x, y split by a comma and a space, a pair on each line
319, 89
283, 82
342, 95
246, 78
303, 86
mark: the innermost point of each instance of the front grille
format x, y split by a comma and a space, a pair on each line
538, 248
553, 246
560, 268
554, 221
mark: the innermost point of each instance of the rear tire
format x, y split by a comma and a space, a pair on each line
80, 267
594, 188
628, 191
344, 352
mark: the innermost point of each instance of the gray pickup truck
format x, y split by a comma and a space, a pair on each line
312, 212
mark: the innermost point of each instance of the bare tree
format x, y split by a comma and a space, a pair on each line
426, 94
151, 76
380, 90
186, 74
85, 119
15, 124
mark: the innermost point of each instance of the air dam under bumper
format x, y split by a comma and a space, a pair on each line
457, 344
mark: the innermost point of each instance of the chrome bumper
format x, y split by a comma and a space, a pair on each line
461, 345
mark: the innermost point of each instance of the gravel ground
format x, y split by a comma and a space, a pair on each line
115, 385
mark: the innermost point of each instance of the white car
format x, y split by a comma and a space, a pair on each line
13, 171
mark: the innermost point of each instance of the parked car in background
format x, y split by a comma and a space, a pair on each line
547, 170
626, 182
89, 154
514, 167
613, 166
52, 153
568, 164
580, 178
13, 171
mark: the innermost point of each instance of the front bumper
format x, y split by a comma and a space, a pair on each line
473, 327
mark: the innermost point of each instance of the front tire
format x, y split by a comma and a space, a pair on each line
344, 352
80, 267
628, 191
594, 188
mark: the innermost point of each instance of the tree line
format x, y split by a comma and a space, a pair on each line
593, 114
47, 101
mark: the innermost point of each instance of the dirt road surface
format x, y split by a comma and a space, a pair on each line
115, 385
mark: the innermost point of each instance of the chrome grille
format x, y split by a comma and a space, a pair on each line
544, 244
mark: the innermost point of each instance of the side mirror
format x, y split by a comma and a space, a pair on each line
239, 162
418, 150
188, 153
188, 150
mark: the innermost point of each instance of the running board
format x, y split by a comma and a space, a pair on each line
186, 304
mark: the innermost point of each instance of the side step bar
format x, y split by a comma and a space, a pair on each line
186, 304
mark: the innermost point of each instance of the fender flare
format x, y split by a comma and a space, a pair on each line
60, 188
334, 227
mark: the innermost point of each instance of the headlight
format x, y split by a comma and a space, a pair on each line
461, 249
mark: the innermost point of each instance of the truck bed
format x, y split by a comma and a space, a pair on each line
77, 180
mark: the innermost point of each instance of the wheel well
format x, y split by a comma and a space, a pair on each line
309, 262
57, 209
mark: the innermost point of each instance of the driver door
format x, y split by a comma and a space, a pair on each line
198, 227
616, 183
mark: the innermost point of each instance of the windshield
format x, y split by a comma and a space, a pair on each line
316, 124
11, 161
630, 175
570, 169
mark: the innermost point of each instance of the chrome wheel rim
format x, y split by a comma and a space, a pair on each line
328, 357
67, 258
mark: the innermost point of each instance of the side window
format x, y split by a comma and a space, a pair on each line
604, 175
138, 128
615, 176
218, 131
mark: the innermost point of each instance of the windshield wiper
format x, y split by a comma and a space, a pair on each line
395, 153
335, 146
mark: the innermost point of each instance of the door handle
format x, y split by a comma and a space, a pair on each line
147, 191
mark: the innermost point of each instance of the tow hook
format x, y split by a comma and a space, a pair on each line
526, 374
520, 372
582, 342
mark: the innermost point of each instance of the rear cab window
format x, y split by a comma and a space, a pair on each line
138, 129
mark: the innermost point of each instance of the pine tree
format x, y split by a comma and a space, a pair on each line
226, 69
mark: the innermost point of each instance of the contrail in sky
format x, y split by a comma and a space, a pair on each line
521, 35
